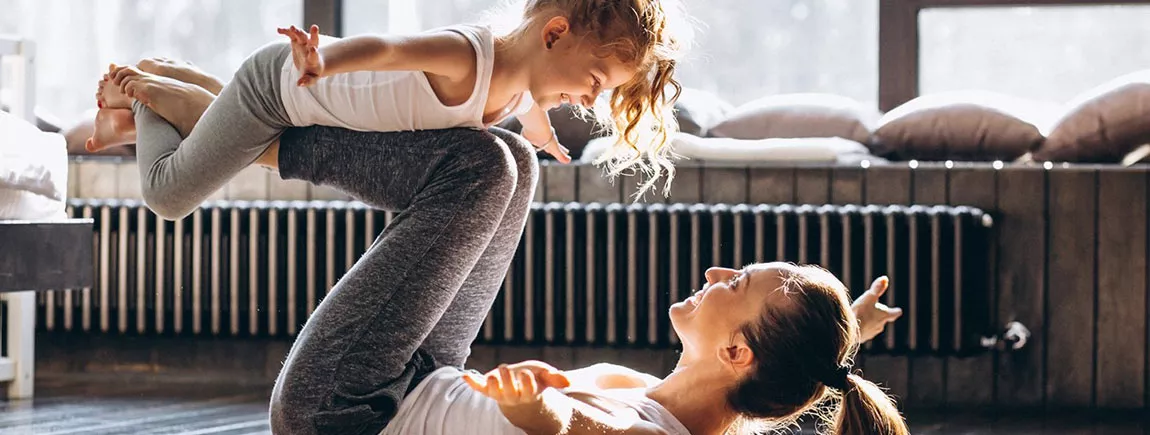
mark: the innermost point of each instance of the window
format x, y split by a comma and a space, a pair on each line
1049, 53
77, 39
744, 49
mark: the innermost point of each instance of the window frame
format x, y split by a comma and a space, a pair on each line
898, 57
898, 36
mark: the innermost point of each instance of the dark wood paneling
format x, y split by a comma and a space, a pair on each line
724, 185
897, 53
894, 188
927, 373
1121, 337
812, 185
1070, 302
847, 185
771, 185
970, 380
687, 185
594, 186
561, 182
1021, 234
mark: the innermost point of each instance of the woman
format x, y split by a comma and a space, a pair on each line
761, 347
353, 162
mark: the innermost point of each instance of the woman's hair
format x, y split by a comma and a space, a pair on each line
806, 339
649, 35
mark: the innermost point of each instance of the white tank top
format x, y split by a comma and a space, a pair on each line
443, 404
394, 100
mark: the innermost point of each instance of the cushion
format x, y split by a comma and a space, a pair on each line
779, 150
1102, 125
799, 116
697, 110
962, 125
31, 160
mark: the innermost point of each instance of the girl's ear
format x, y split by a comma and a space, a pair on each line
554, 29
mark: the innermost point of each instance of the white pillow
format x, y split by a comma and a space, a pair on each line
1102, 125
798, 116
24, 205
32, 160
963, 125
713, 149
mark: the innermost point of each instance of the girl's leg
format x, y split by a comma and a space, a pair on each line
176, 174
356, 356
450, 341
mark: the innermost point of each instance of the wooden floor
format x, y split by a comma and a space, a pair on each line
135, 406
91, 405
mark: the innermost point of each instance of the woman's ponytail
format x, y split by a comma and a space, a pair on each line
867, 410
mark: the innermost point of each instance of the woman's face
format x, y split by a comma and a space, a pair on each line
729, 299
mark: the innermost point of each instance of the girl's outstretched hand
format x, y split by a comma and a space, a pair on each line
305, 53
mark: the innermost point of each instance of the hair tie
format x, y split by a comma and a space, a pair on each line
837, 379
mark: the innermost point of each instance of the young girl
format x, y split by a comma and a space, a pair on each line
564, 51
761, 347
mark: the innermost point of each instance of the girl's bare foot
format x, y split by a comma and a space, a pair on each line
179, 103
182, 71
113, 127
109, 94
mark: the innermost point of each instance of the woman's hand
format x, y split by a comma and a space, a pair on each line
305, 54
872, 314
518, 384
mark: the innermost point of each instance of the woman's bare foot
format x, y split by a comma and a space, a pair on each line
113, 127
182, 71
179, 103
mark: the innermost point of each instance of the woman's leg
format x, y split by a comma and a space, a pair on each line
178, 174
356, 356
450, 341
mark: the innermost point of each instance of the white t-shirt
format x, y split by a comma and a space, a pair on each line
394, 100
443, 404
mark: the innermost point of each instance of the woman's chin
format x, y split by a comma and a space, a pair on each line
680, 312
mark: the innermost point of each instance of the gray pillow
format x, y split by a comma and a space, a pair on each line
799, 116
1102, 125
962, 125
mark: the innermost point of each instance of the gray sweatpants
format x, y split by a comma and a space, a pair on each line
417, 298
177, 175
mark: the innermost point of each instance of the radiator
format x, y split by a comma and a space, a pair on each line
600, 274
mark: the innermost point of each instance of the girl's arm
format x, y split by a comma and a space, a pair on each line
444, 53
537, 130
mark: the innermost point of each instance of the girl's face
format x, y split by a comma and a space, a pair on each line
574, 69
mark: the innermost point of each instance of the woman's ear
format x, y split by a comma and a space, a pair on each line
554, 29
739, 356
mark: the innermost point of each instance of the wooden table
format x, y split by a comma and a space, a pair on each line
36, 255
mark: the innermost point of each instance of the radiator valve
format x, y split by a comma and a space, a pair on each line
1014, 337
